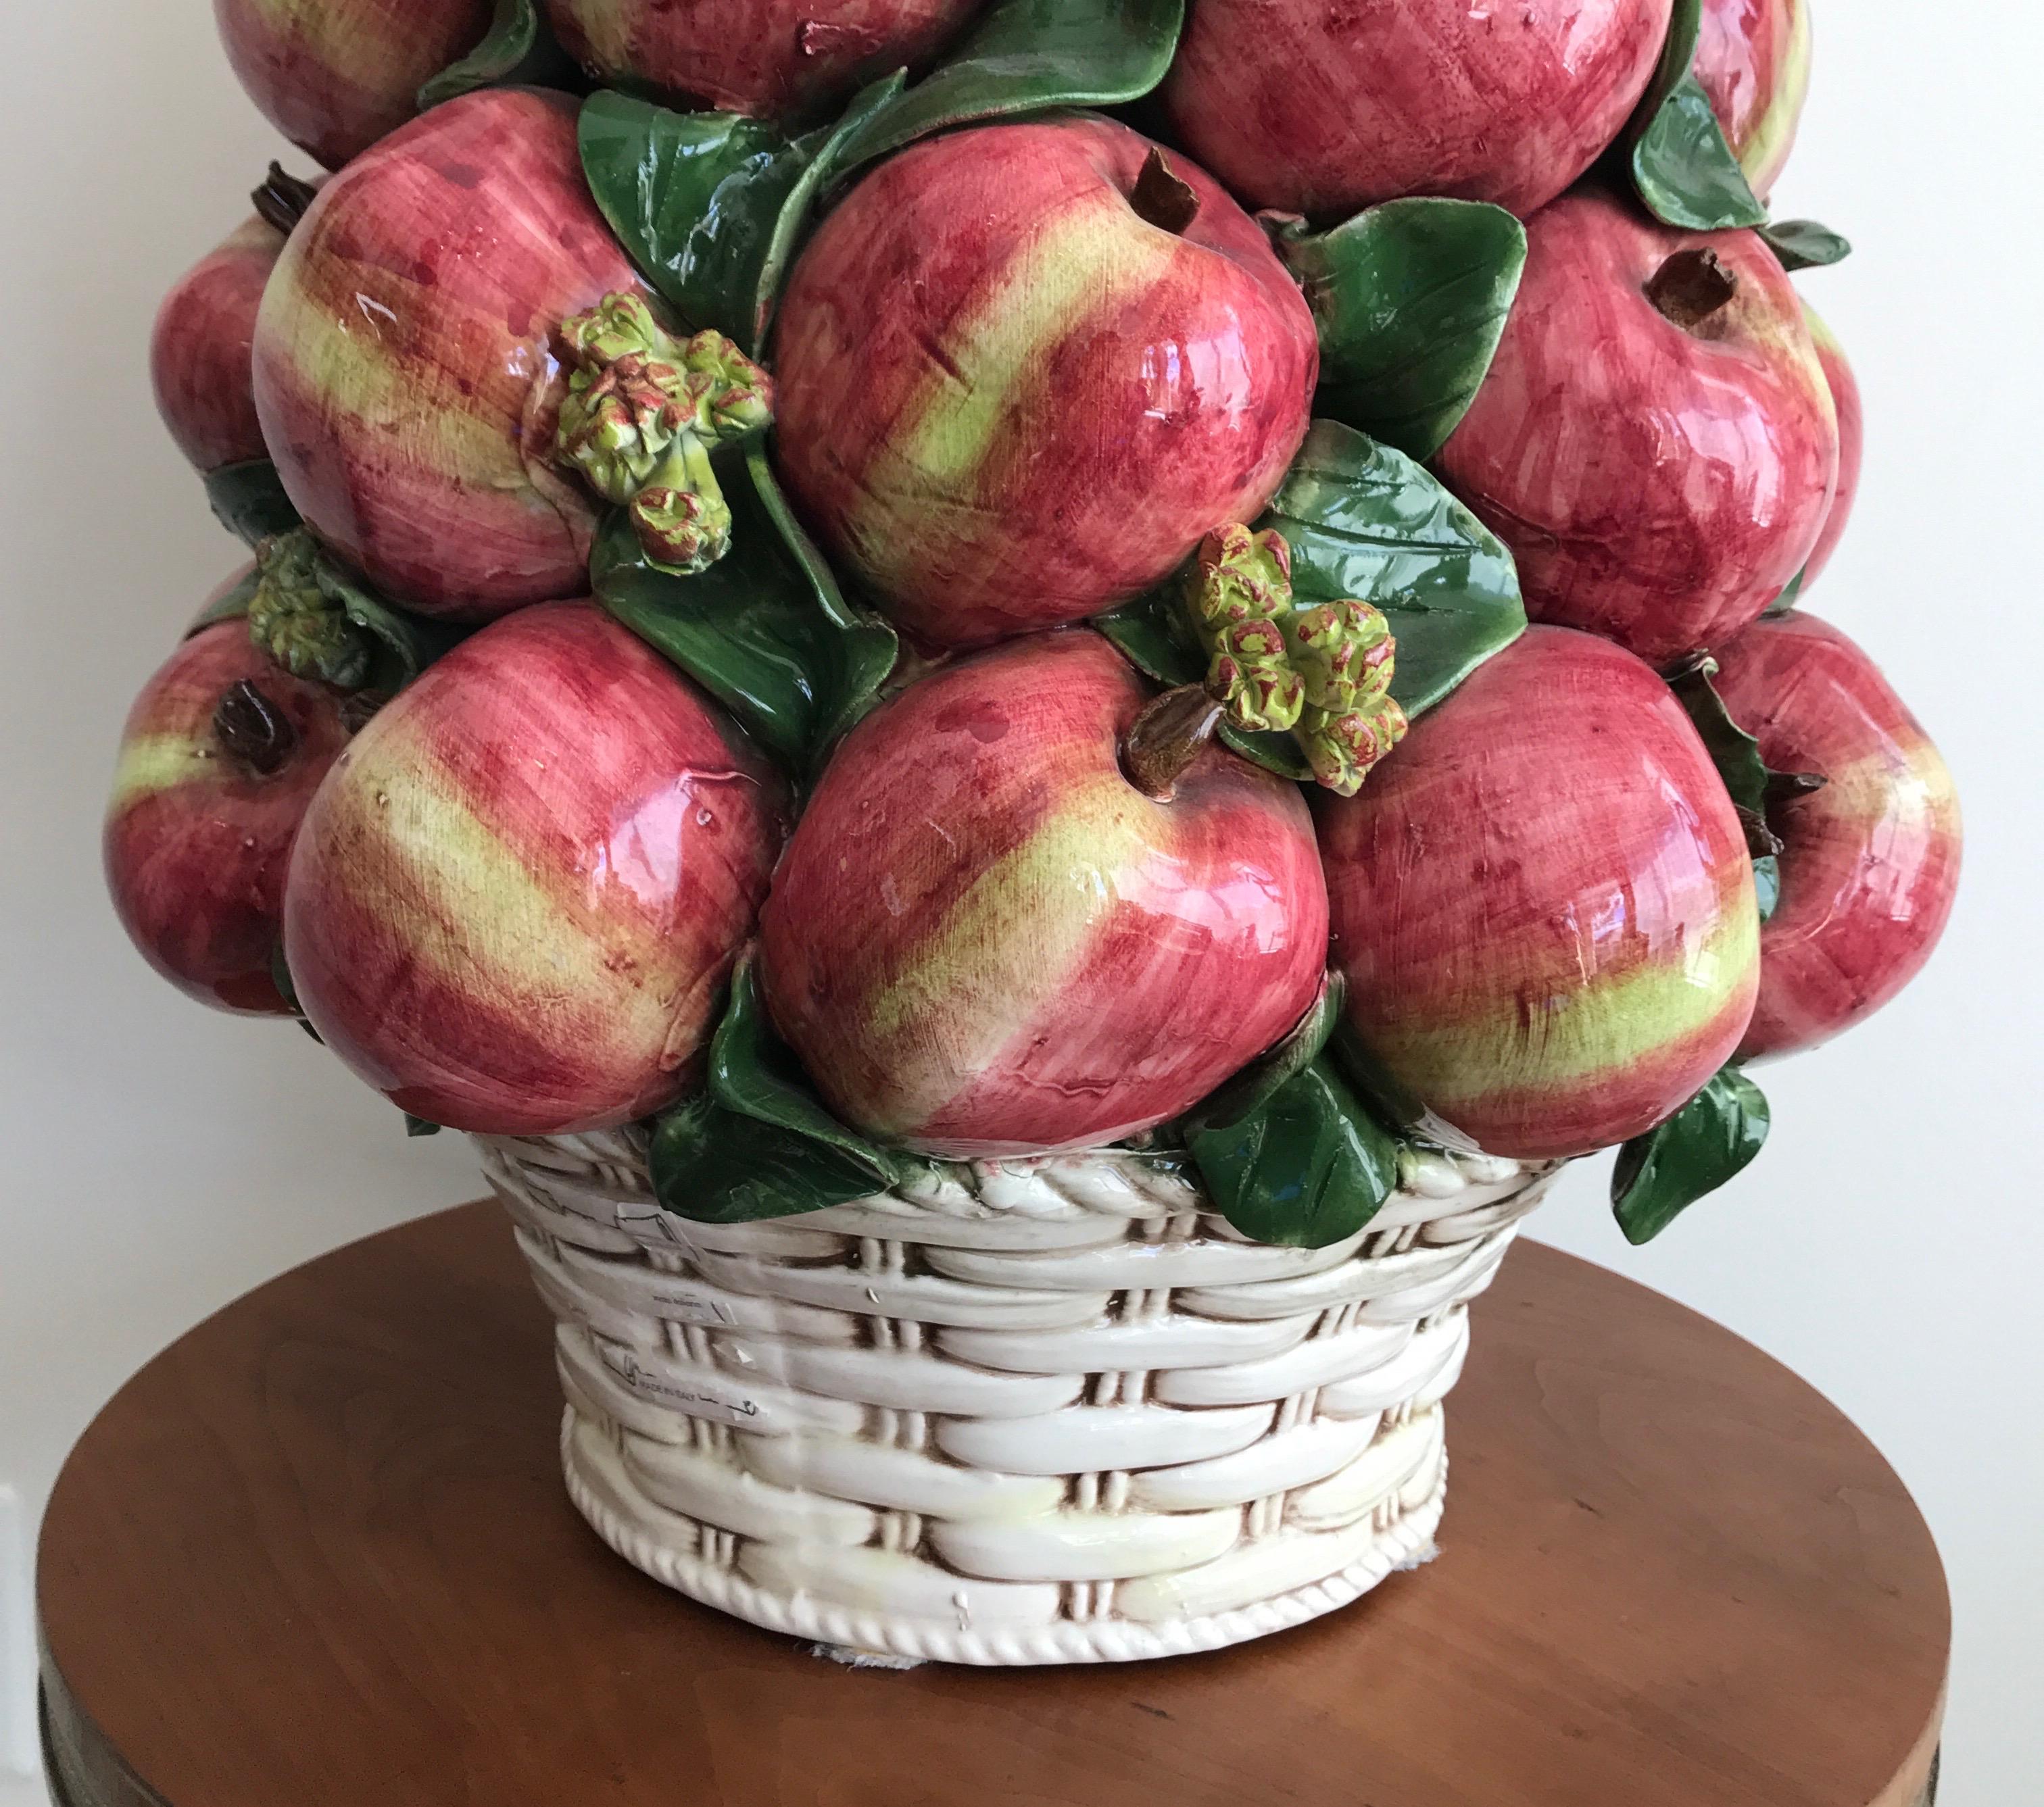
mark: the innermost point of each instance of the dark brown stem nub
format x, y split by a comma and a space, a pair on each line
1691, 285
1166, 738
282, 199
1786, 787
1163, 196
1762, 841
253, 729
358, 706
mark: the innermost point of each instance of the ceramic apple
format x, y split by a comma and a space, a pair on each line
1844, 386
199, 349
985, 941
1324, 110
1870, 862
408, 359
1655, 441
764, 57
1753, 59
1019, 378
219, 759
335, 75
517, 896
1543, 904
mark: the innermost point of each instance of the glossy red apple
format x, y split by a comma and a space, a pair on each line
407, 360
1019, 378
1322, 110
518, 893
1870, 862
1752, 58
984, 940
199, 349
1543, 904
1844, 386
764, 57
220, 758
1655, 441
335, 75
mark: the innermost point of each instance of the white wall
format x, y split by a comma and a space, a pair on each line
160, 1159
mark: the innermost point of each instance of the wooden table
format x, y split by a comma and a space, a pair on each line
318, 1552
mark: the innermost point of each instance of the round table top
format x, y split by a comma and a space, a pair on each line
318, 1552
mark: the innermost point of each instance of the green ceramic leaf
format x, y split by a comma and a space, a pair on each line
406, 643
1708, 1142
517, 49
1309, 1167
1733, 751
1783, 603
866, 648
1410, 298
1767, 885
697, 198
1364, 521
753, 1074
715, 1166
420, 1125
1684, 170
1803, 244
232, 607
823, 153
1027, 54
1257, 1083
248, 499
1153, 635
753, 629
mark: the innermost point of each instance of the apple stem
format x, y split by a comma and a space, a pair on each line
1691, 286
282, 199
252, 730
1762, 841
1163, 196
1786, 787
1166, 738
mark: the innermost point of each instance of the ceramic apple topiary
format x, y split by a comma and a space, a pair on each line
914, 618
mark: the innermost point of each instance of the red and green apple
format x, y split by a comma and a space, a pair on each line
1844, 386
336, 76
409, 362
1655, 440
1543, 904
219, 760
1869, 863
516, 898
1322, 110
986, 941
1024, 369
1753, 59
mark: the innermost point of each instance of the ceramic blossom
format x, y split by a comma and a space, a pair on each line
889, 647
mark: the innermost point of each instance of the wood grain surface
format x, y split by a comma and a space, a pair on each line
317, 1552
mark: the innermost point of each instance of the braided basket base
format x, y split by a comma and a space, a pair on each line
1039, 1412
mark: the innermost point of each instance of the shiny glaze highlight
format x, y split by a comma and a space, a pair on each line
406, 370
1543, 903
518, 895
195, 841
1752, 58
1007, 401
1657, 485
1324, 110
335, 75
1871, 863
764, 57
1844, 386
984, 940
200, 349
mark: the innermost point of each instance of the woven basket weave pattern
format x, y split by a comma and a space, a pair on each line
1035, 1412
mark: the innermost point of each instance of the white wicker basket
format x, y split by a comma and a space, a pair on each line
1047, 1411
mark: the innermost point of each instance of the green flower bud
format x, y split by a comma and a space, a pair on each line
1343, 747
1344, 651
643, 410
299, 622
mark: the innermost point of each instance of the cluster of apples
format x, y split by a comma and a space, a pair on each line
1019, 373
